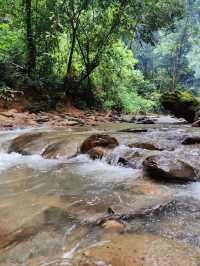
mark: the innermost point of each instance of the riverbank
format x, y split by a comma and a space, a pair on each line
71, 117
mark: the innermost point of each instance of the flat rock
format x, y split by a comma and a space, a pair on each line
146, 146
139, 250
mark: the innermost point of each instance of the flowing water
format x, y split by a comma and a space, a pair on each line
49, 207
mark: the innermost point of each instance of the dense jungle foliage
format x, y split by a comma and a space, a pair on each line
107, 54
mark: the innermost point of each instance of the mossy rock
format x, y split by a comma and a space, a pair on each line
182, 104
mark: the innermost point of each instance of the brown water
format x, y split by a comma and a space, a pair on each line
48, 208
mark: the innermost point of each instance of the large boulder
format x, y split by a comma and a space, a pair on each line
170, 170
62, 146
23, 143
182, 104
98, 140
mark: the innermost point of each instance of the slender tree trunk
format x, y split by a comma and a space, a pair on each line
174, 71
69, 84
69, 65
179, 54
31, 48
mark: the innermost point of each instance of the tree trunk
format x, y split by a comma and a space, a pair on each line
31, 48
179, 53
69, 83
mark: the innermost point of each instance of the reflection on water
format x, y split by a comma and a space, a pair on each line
48, 208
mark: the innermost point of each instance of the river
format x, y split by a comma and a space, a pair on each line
49, 207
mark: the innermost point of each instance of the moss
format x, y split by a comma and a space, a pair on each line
181, 103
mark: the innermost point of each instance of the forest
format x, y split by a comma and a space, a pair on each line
105, 55
99, 132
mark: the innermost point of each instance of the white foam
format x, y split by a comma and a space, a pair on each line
193, 190
33, 161
101, 171
70, 254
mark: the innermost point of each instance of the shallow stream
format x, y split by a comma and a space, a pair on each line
49, 207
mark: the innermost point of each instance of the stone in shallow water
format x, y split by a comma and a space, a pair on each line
22, 143
191, 140
96, 153
98, 140
134, 130
137, 250
112, 225
169, 169
146, 146
58, 149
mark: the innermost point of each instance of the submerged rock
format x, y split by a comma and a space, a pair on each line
137, 250
96, 153
196, 123
134, 130
146, 146
98, 140
22, 143
112, 225
170, 170
191, 140
142, 120
182, 104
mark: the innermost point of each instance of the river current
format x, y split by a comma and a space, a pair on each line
49, 207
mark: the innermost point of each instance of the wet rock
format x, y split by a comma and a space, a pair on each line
146, 146
18, 236
72, 123
170, 170
124, 162
52, 151
145, 121
133, 130
139, 250
191, 140
196, 123
96, 153
98, 140
38, 246
22, 143
149, 188
67, 147
113, 225
182, 104
133, 119
43, 119
156, 211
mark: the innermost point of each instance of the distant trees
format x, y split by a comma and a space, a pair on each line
172, 62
